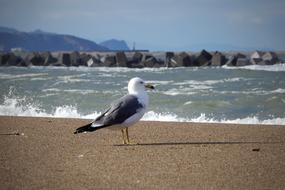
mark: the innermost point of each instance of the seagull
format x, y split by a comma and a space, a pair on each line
123, 112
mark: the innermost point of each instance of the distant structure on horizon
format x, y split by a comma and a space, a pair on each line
134, 46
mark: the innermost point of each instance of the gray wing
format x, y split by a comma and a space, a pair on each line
119, 111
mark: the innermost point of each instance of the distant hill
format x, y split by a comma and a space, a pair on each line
44, 41
116, 45
9, 30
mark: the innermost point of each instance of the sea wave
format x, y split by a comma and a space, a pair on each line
12, 107
71, 79
183, 91
211, 82
272, 68
254, 91
80, 91
17, 76
112, 69
153, 116
125, 69
160, 82
170, 117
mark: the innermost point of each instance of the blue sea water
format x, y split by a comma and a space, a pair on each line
250, 94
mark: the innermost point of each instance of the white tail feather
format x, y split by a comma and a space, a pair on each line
95, 125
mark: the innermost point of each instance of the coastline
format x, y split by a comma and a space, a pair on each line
43, 153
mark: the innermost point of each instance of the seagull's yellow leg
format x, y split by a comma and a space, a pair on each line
123, 133
128, 139
127, 133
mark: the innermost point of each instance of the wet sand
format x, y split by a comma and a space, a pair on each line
43, 153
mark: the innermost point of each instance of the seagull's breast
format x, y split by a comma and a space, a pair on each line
143, 99
135, 118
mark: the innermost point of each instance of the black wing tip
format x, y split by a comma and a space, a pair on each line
83, 129
76, 132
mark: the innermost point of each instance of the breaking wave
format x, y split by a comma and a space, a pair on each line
273, 68
12, 107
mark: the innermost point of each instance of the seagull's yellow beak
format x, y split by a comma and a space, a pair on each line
149, 86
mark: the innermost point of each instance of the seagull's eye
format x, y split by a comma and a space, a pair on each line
141, 82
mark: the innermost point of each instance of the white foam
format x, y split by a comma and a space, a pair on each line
254, 91
273, 68
162, 82
187, 103
47, 95
190, 90
210, 82
41, 78
113, 69
71, 79
279, 90
182, 91
80, 91
15, 76
51, 90
124, 69
110, 69
71, 76
170, 117
13, 107
153, 116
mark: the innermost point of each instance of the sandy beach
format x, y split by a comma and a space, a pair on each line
43, 153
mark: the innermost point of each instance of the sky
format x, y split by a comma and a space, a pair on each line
177, 25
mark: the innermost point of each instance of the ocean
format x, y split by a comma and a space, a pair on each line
244, 95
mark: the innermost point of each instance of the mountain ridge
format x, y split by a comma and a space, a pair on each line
39, 40
116, 45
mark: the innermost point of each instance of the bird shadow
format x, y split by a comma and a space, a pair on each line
10, 134
198, 143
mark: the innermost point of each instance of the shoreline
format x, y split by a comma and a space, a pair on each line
229, 122
45, 154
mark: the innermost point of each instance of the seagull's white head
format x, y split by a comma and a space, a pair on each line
138, 86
